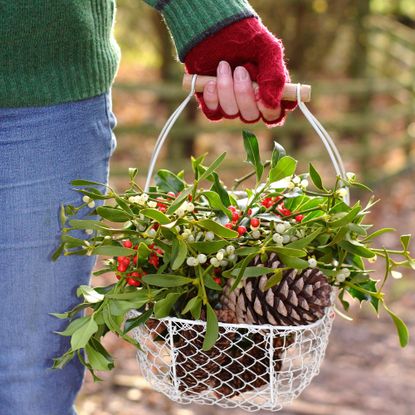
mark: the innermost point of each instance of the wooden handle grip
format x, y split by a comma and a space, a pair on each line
289, 94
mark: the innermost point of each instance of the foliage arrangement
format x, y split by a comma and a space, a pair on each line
174, 248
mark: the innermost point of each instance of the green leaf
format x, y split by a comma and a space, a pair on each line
284, 250
113, 214
143, 251
249, 272
81, 336
215, 203
61, 362
194, 305
132, 323
345, 218
113, 250
356, 249
58, 252
403, 331
155, 214
178, 254
212, 328
196, 163
217, 228
275, 279
315, 177
285, 167
86, 183
132, 172
212, 167
87, 224
208, 247
163, 307
368, 285
93, 193
247, 250
177, 203
405, 240
242, 268
306, 241
277, 153
220, 190
167, 181
252, 153
293, 262
166, 280
97, 360
73, 326
378, 233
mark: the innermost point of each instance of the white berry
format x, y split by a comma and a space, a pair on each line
86, 199
215, 262
152, 204
210, 236
256, 234
312, 263
280, 228
277, 238
230, 249
91, 204
202, 258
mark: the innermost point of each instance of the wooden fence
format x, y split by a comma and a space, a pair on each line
384, 126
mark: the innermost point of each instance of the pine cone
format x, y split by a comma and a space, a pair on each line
299, 299
199, 370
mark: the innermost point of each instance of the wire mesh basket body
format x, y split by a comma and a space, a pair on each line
251, 367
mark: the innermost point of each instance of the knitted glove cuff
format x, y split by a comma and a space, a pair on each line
192, 21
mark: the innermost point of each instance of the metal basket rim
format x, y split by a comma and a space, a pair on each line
235, 326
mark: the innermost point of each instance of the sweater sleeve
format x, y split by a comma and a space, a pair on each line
191, 21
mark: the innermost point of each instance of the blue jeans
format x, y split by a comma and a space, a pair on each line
41, 151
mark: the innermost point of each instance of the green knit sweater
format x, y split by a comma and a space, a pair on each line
54, 51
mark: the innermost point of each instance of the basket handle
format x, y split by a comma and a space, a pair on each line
300, 91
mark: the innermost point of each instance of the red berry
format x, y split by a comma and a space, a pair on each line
162, 209
118, 276
217, 270
249, 212
217, 280
135, 259
121, 259
133, 282
122, 267
255, 222
126, 261
241, 230
299, 218
171, 194
267, 202
190, 198
235, 217
136, 274
232, 208
229, 226
127, 244
151, 246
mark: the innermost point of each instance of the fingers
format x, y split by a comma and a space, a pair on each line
244, 95
210, 96
225, 89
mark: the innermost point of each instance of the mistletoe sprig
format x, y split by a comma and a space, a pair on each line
172, 249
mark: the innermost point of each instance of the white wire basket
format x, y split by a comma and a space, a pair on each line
252, 367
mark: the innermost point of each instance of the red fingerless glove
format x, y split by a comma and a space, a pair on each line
250, 44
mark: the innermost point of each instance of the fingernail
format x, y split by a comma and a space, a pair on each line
241, 74
224, 67
211, 87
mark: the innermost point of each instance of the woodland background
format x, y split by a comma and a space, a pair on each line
359, 56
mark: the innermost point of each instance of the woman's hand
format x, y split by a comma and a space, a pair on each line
247, 46
236, 96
